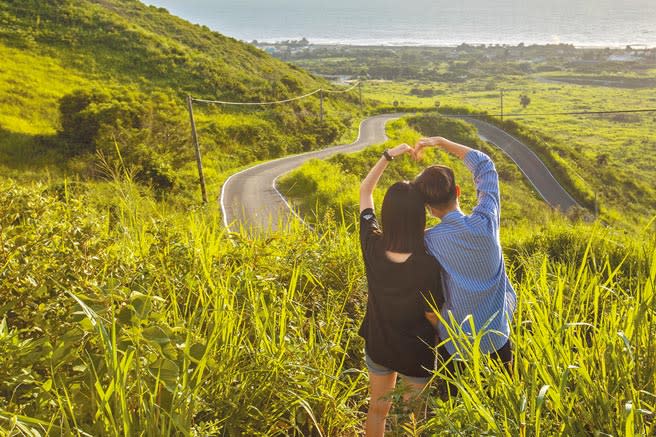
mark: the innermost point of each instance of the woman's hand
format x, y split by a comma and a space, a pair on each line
369, 183
423, 143
400, 150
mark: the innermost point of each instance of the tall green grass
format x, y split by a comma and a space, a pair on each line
123, 316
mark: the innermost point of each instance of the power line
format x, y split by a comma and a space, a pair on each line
545, 114
341, 91
278, 102
220, 102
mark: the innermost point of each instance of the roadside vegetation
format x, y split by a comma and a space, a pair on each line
128, 309
603, 160
607, 156
123, 316
332, 186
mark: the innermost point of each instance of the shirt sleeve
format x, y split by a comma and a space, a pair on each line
435, 296
369, 230
487, 184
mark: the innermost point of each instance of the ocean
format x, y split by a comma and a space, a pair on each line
584, 23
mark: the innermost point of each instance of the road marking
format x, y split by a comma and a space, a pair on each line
224, 211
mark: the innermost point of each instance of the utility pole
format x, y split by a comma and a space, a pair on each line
360, 90
194, 137
321, 106
502, 106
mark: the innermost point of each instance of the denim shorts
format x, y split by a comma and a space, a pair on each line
381, 370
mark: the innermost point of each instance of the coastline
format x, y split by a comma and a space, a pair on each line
427, 44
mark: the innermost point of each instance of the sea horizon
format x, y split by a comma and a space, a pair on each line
440, 44
613, 24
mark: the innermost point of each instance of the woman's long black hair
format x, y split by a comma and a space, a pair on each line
403, 219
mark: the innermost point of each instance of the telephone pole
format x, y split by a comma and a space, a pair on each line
502, 106
360, 91
321, 106
194, 137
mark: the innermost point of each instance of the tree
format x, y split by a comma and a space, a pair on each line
79, 121
524, 100
602, 159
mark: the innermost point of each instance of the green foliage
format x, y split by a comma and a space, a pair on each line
568, 144
82, 76
120, 315
125, 317
123, 314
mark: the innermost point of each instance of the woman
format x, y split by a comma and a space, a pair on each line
404, 288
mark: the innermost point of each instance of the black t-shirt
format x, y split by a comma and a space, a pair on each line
396, 332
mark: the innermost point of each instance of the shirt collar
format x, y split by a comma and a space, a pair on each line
452, 216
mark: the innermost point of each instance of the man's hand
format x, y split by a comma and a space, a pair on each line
400, 150
454, 148
423, 143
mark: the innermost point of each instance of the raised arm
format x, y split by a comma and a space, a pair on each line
454, 148
371, 180
482, 168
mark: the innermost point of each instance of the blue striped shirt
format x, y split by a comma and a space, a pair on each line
474, 274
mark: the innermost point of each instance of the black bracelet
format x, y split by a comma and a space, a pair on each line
388, 156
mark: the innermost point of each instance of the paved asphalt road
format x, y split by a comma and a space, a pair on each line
250, 199
529, 163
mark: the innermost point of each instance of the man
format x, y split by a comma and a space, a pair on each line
469, 251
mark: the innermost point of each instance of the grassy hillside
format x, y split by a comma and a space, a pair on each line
126, 310
122, 316
127, 68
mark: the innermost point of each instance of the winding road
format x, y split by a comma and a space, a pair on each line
249, 199
528, 162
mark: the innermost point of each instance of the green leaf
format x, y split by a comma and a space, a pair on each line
156, 334
47, 386
197, 351
126, 315
141, 304
166, 370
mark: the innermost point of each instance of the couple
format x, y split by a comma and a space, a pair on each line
456, 268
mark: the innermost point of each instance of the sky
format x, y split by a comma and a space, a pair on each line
472, 21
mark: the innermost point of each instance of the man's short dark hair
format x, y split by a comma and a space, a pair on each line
437, 185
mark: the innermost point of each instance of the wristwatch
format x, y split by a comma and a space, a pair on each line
388, 156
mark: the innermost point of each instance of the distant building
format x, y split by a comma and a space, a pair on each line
624, 57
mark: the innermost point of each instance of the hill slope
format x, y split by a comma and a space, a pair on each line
132, 61
128, 41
